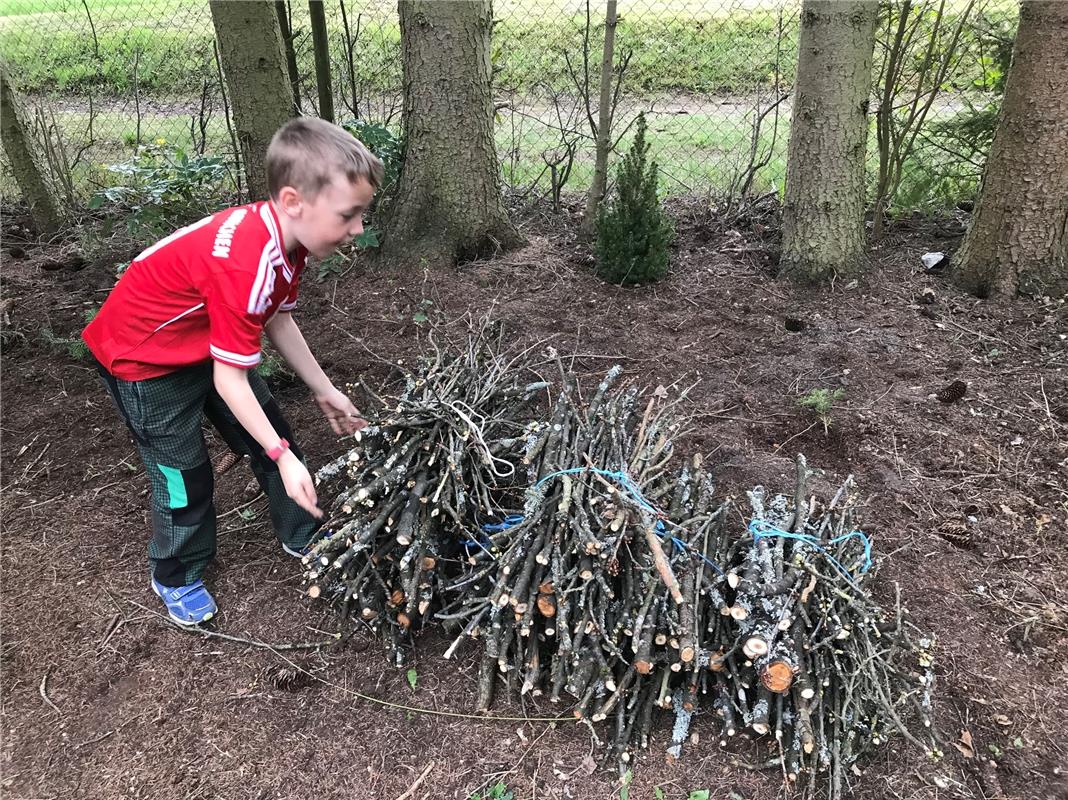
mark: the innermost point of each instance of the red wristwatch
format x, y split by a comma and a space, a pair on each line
276, 452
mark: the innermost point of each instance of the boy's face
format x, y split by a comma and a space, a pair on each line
331, 218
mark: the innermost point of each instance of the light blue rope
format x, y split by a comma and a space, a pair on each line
765, 530
620, 477
632, 489
675, 540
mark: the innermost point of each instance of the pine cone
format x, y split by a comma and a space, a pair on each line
956, 533
953, 392
285, 677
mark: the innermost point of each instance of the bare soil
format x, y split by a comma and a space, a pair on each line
967, 506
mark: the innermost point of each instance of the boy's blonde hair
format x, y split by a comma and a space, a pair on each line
307, 152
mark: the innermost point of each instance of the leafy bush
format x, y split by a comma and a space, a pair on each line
633, 232
161, 187
969, 133
946, 165
384, 143
273, 367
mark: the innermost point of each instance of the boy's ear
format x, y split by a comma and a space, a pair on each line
290, 201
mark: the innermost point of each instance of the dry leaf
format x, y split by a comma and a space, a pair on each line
1002, 720
965, 744
661, 392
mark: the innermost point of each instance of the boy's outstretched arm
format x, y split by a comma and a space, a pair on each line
232, 385
284, 334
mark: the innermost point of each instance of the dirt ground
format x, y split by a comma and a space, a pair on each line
967, 506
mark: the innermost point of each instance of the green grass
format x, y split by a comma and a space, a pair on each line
675, 46
684, 52
40, 8
693, 151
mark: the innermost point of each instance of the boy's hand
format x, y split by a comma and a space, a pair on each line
343, 415
299, 484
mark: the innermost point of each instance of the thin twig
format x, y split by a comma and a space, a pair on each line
204, 632
99, 738
43, 689
417, 783
226, 116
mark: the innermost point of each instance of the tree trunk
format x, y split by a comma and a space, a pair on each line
281, 8
250, 46
1018, 240
604, 123
321, 42
25, 159
823, 213
448, 203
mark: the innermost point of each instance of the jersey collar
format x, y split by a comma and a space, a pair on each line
274, 227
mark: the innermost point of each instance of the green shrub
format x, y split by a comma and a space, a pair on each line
633, 232
161, 188
821, 401
273, 367
384, 143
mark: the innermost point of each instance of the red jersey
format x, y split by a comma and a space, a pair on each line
205, 291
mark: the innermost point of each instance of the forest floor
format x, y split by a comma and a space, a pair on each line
966, 504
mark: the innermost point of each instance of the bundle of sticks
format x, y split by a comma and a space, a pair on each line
808, 658
593, 591
434, 455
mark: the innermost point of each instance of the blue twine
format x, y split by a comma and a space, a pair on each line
765, 530
675, 540
471, 544
508, 522
621, 477
632, 489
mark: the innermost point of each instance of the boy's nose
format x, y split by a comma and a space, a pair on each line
357, 228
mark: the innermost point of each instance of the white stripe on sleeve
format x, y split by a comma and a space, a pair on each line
260, 291
236, 359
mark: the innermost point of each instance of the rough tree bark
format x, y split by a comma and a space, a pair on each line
281, 8
25, 159
250, 46
448, 206
1018, 240
323, 82
823, 212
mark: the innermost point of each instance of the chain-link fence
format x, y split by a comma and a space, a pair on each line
713, 76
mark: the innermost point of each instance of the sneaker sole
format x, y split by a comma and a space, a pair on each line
289, 551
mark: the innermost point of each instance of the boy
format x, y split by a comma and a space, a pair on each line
179, 334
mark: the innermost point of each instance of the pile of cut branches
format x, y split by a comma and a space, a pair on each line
591, 591
592, 566
434, 456
810, 659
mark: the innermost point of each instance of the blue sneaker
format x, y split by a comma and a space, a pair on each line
186, 605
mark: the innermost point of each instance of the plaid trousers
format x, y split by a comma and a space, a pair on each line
165, 415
